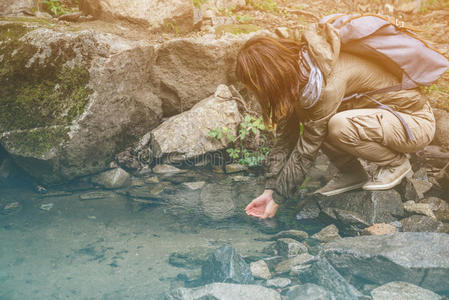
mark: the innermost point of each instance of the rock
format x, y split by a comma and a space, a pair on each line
6, 168
96, 195
324, 274
191, 259
11, 208
217, 201
260, 270
235, 168
442, 128
309, 291
419, 208
413, 189
439, 207
173, 15
166, 170
310, 210
327, 234
46, 206
193, 186
226, 265
380, 229
106, 92
279, 282
190, 276
97, 97
292, 234
289, 247
397, 290
419, 223
150, 191
287, 265
112, 179
15, 7
359, 209
417, 258
224, 291
178, 138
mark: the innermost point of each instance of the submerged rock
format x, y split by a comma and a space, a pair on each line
217, 201
289, 247
417, 258
397, 290
280, 282
289, 264
224, 291
226, 265
186, 135
309, 291
192, 258
112, 179
292, 234
359, 209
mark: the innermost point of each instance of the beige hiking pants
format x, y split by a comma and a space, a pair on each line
376, 135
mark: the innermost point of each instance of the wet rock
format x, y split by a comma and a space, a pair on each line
152, 14
380, 229
178, 138
309, 291
324, 274
292, 234
224, 291
217, 201
193, 186
310, 210
260, 270
166, 170
289, 247
419, 208
417, 258
439, 207
149, 191
190, 276
327, 234
287, 265
96, 195
270, 249
226, 265
235, 168
190, 259
112, 179
402, 291
279, 282
420, 223
359, 209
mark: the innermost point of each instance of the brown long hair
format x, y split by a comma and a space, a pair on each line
269, 68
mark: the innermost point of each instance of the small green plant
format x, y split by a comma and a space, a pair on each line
199, 3
267, 5
56, 7
171, 27
250, 128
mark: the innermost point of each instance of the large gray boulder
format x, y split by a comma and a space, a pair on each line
398, 290
73, 99
174, 15
359, 209
186, 135
223, 291
418, 258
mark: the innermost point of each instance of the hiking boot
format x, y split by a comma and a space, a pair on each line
388, 177
345, 181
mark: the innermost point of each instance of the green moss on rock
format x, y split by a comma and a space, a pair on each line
36, 93
37, 142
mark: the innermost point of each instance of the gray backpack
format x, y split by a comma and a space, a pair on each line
397, 48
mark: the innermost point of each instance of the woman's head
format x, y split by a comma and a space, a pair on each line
269, 67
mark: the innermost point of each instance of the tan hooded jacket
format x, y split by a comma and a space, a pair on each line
292, 155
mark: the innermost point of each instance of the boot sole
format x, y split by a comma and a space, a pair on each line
387, 186
341, 190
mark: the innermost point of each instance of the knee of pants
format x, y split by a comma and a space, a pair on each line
340, 130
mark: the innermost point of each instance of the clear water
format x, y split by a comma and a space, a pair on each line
102, 248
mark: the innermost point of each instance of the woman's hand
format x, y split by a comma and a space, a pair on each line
263, 206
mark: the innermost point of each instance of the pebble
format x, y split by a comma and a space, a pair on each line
11, 208
278, 282
327, 234
260, 270
46, 206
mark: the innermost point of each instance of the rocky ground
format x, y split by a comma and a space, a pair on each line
105, 99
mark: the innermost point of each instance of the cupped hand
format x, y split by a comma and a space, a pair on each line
263, 206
